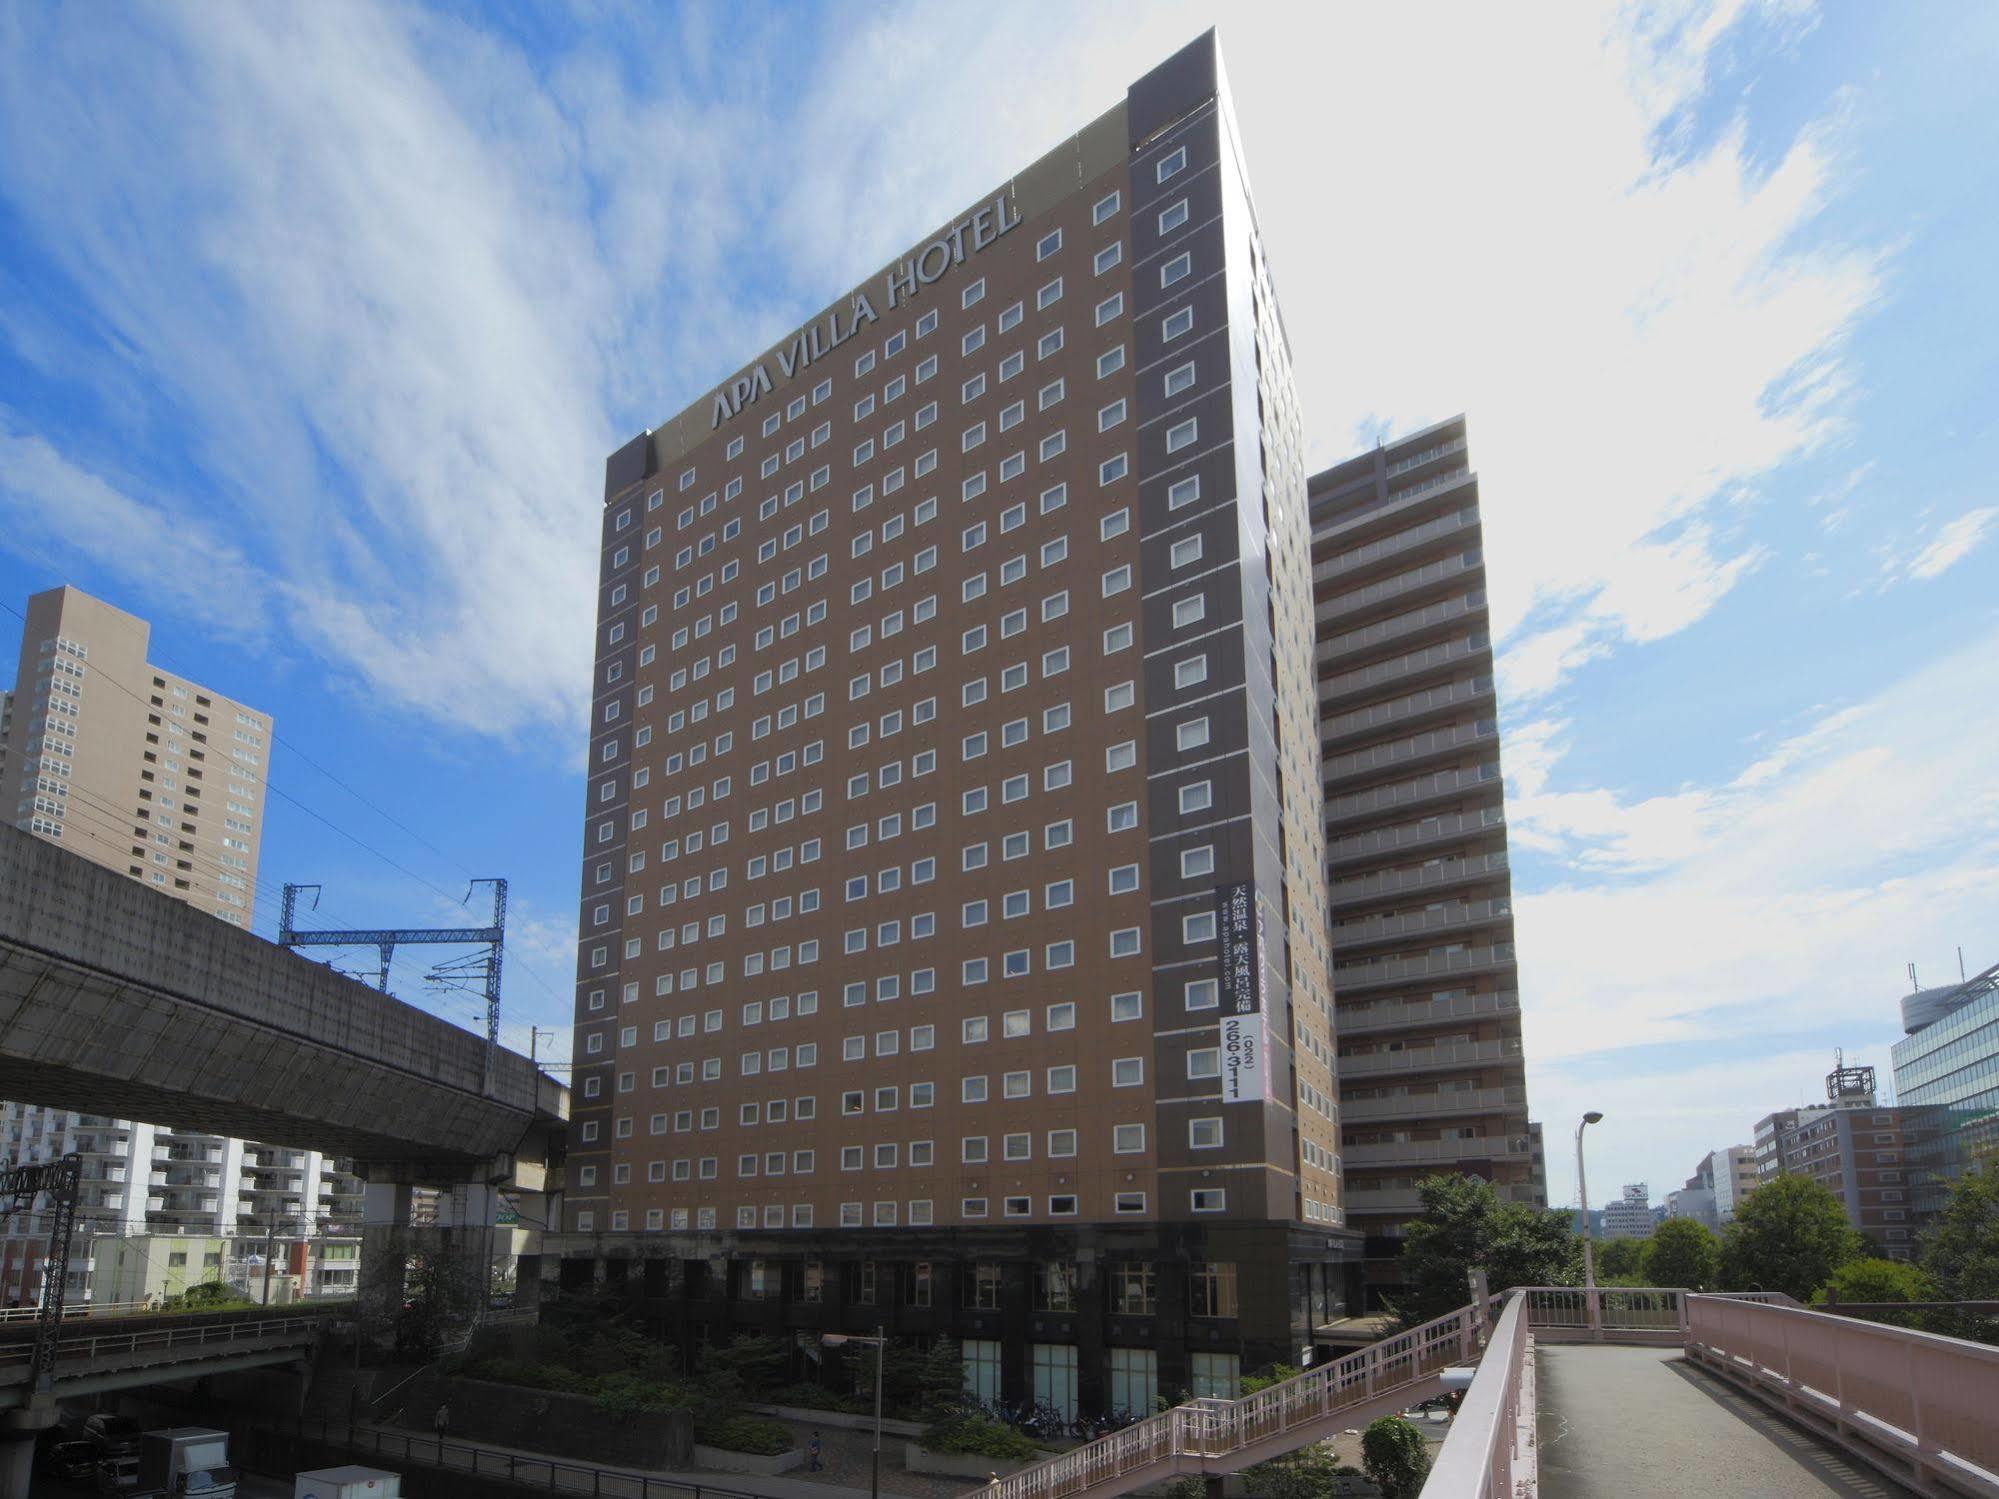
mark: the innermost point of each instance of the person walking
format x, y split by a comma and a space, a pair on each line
441, 1422
812, 1451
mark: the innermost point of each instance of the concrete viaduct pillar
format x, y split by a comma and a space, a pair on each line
18, 1431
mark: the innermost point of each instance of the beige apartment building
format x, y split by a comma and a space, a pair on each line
128, 765
151, 774
1432, 1074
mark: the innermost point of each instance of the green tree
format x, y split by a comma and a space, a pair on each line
1789, 1236
1306, 1473
1871, 1280
1392, 1454
745, 1367
942, 1391
1464, 1226
1682, 1253
1961, 1255
1620, 1260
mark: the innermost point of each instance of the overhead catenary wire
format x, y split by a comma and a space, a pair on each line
263, 778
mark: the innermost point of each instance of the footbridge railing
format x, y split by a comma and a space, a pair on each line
1220, 1435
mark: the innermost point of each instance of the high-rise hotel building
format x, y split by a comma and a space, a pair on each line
1432, 1078
953, 942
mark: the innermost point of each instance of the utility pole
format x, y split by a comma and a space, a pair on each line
270, 1237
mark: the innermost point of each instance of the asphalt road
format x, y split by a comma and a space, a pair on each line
1642, 1423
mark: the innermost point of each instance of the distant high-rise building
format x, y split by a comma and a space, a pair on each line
1947, 1081
1735, 1176
129, 765
1855, 1148
953, 921
1630, 1216
1432, 1077
162, 779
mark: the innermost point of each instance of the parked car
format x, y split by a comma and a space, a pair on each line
74, 1460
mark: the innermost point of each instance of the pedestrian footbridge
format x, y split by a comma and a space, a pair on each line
1640, 1393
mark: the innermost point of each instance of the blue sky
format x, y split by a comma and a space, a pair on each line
316, 324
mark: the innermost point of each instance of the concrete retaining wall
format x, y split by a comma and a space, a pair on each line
725, 1461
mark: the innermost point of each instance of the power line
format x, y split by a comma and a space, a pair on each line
236, 768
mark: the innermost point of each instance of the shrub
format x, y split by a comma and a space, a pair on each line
757, 1435
816, 1397
1392, 1452
1264, 1379
979, 1436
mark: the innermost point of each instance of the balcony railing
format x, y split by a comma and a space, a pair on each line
1378, 799
1370, 680
1437, 1152
1410, 750
1353, 977
1450, 917
1428, 1058
1373, 636
1405, 1201
1355, 558
1417, 580
1451, 827
1406, 1014
1455, 1103
1428, 876
1430, 700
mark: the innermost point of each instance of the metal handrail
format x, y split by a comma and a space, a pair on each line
82, 1310
1917, 1405
1476, 1459
1210, 1428
524, 1468
165, 1339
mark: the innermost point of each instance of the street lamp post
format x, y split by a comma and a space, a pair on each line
1589, 1247
880, 1343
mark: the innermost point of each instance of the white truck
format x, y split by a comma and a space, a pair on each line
185, 1462
347, 1483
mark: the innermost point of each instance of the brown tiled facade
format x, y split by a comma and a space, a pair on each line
953, 890
1432, 1078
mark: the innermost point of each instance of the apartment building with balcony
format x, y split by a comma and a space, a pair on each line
1425, 980
953, 945
147, 1181
130, 765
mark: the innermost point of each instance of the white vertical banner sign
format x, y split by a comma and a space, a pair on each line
1245, 1028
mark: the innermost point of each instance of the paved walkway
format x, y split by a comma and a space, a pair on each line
1642, 1423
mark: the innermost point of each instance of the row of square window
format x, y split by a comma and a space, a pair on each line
973, 1150
1190, 671
1105, 208
1060, 1205
894, 344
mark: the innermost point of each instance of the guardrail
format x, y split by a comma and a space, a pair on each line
522, 1468
1212, 1428
87, 1311
1918, 1406
1477, 1459
137, 1343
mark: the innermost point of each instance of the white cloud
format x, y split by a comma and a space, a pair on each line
403, 286
1953, 542
59, 514
1727, 922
